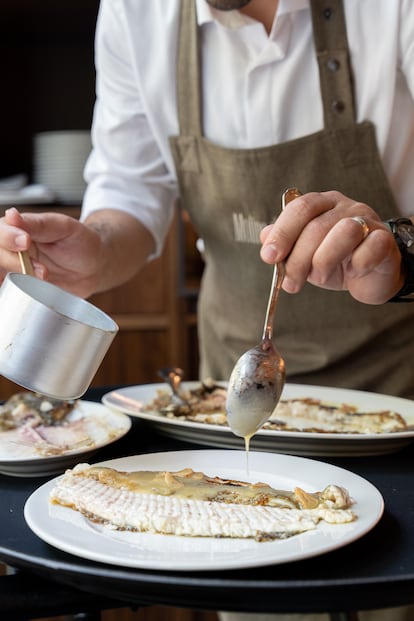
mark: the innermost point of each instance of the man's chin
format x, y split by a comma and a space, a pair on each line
227, 5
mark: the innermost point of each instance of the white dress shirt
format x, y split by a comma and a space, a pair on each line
258, 90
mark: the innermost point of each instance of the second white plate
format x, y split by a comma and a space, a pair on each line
131, 399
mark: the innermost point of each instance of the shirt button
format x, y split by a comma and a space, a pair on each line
333, 64
327, 13
338, 106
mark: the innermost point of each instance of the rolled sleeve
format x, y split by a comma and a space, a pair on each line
126, 169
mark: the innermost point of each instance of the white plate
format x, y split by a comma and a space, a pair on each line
99, 426
71, 532
131, 399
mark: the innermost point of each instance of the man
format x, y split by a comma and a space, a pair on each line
225, 109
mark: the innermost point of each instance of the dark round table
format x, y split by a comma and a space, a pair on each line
377, 571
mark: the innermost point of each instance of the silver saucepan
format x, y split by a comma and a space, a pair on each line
51, 341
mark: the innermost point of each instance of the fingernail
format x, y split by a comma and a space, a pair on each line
39, 269
268, 253
21, 241
289, 285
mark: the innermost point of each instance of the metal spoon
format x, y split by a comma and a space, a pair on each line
258, 377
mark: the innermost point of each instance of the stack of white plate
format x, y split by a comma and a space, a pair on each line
59, 158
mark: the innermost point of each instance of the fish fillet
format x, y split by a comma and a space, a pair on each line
124, 506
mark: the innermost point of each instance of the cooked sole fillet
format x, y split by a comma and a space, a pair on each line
314, 416
207, 404
124, 509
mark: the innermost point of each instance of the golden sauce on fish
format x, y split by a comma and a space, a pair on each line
187, 483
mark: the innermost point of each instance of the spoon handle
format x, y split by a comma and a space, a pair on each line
277, 280
278, 275
26, 262
288, 195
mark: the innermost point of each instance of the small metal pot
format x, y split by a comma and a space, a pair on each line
51, 341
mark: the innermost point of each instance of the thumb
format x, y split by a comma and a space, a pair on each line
13, 217
18, 237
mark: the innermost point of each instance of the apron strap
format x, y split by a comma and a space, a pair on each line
188, 72
335, 73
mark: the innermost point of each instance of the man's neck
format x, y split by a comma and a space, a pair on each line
263, 11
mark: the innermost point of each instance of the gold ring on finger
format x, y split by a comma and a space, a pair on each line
365, 228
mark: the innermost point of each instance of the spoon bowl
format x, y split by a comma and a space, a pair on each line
257, 380
255, 386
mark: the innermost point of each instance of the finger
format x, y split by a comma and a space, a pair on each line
278, 239
338, 228
374, 274
371, 272
312, 212
378, 252
265, 232
319, 250
19, 229
10, 262
13, 217
344, 241
48, 227
12, 236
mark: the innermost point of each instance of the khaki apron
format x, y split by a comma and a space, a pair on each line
326, 337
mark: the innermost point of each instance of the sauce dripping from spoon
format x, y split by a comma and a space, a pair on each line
258, 377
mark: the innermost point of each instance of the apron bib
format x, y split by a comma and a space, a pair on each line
325, 337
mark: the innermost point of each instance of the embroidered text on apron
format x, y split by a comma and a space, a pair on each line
326, 337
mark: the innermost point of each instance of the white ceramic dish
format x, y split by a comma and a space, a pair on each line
98, 425
69, 531
131, 399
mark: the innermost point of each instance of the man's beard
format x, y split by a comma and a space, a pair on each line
228, 5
